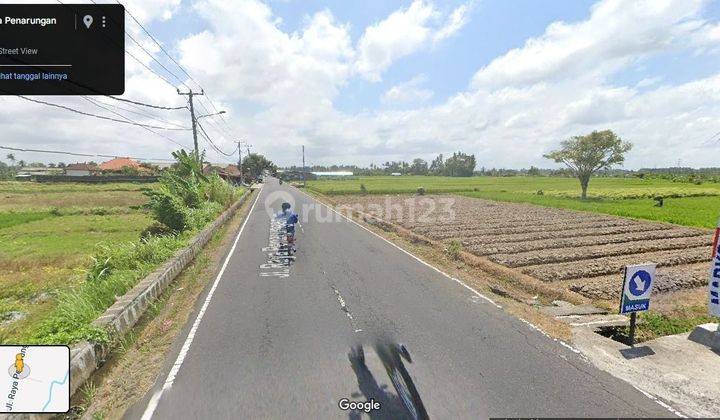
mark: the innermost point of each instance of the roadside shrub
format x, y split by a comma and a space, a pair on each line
99, 211
55, 211
219, 191
420, 191
168, 209
453, 249
198, 218
188, 199
363, 190
156, 229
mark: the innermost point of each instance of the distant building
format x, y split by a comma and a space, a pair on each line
229, 173
160, 165
29, 172
80, 169
396, 174
297, 175
336, 173
117, 165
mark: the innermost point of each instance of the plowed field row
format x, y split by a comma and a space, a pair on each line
580, 251
669, 279
614, 264
555, 255
546, 244
482, 230
472, 238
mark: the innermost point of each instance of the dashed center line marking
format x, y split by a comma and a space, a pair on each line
344, 308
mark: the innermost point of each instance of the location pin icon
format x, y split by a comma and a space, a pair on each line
88, 20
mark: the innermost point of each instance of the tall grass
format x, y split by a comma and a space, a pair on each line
116, 269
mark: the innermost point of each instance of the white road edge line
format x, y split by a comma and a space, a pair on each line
528, 323
153, 403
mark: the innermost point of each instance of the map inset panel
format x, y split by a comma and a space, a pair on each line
34, 379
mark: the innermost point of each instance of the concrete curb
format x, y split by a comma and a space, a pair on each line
86, 357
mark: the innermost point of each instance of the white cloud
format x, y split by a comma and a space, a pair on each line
148, 10
410, 91
649, 81
457, 19
246, 55
616, 33
402, 33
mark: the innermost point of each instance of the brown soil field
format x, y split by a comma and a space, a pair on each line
579, 251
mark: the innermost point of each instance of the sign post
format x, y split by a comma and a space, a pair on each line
637, 287
714, 284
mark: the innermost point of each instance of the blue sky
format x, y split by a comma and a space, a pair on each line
369, 81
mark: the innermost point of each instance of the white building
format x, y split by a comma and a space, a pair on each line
337, 173
80, 169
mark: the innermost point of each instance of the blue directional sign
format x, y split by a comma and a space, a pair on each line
637, 287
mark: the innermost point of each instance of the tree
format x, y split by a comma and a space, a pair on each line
6, 171
585, 155
419, 167
460, 164
437, 166
393, 167
254, 164
11, 158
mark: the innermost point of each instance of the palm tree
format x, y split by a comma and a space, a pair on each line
11, 158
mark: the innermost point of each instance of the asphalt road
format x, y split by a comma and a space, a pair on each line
277, 347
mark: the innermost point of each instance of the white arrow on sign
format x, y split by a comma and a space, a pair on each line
639, 283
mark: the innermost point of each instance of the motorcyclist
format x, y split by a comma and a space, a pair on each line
291, 219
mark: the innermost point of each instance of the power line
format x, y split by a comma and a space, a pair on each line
94, 102
148, 53
214, 146
58, 152
132, 56
67, 108
147, 105
160, 46
149, 69
711, 138
141, 113
227, 127
225, 130
178, 65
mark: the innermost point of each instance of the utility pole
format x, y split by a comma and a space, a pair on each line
304, 177
240, 160
190, 95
